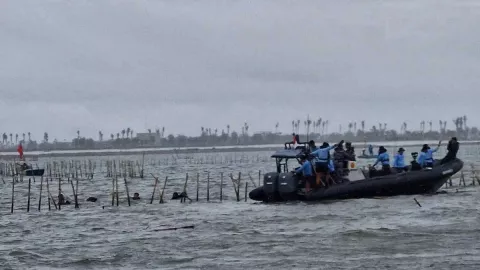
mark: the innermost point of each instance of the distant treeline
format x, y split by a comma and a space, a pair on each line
211, 139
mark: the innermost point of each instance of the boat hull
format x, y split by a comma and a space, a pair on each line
407, 183
34, 172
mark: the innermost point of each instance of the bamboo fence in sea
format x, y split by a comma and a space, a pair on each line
119, 177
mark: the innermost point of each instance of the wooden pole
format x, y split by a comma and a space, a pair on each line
198, 184
208, 186
13, 193
221, 186
163, 190
40, 195
74, 194
143, 163
59, 192
113, 190
48, 196
116, 185
154, 188
126, 189
246, 190
28, 200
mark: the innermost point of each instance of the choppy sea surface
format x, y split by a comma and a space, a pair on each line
389, 233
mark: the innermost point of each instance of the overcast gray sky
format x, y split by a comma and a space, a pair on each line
107, 65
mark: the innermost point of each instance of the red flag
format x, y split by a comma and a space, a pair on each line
20, 150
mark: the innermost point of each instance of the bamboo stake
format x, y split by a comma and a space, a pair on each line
13, 193
163, 190
28, 200
126, 189
154, 189
40, 195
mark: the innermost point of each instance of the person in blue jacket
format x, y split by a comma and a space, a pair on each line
384, 159
425, 159
370, 150
307, 171
399, 161
322, 159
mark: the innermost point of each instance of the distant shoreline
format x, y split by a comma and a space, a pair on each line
193, 150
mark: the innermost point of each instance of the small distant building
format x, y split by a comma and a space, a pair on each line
149, 138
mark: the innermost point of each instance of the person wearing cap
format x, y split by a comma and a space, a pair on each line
425, 159
384, 159
322, 158
452, 149
307, 172
399, 161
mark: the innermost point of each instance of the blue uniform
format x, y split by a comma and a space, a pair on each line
399, 161
426, 158
331, 166
321, 154
305, 169
383, 158
370, 149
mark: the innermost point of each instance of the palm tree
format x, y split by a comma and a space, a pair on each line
123, 133
216, 132
163, 131
11, 138
45, 137
355, 126
112, 136
149, 131
29, 136
228, 130
298, 126
100, 135
118, 135
16, 138
384, 126
430, 124
440, 124
276, 127
363, 125
203, 130
293, 125
350, 126
128, 132
5, 138
464, 122
78, 134
23, 136
309, 123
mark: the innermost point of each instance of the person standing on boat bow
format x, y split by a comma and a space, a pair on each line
452, 149
399, 161
384, 159
322, 158
425, 159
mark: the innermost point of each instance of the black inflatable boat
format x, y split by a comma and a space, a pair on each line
285, 186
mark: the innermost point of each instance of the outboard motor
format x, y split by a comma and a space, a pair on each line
287, 186
270, 186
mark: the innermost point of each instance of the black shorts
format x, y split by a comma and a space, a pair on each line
321, 167
309, 179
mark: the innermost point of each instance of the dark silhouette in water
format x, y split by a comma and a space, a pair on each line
136, 196
91, 199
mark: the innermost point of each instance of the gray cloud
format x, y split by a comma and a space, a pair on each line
91, 65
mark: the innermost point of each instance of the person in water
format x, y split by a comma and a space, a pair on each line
307, 171
136, 196
425, 159
452, 149
399, 161
384, 159
322, 158
370, 150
